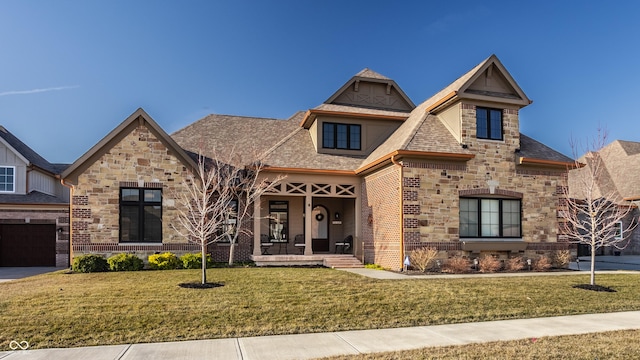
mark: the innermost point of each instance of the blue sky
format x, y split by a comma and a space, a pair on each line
73, 70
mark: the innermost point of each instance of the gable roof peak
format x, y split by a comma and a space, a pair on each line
368, 73
487, 81
137, 118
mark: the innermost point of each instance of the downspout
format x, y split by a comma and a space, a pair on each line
71, 190
402, 251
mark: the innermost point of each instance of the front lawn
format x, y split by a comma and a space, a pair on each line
67, 310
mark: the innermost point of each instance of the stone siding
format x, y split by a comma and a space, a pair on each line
441, 184
140, 159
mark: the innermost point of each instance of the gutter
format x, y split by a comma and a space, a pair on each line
71, 190
400, 153
402, 249
310, 115
552, 163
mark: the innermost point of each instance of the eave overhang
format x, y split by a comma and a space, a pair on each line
456, 96
398, 154
312, 114
276, 169
548, 163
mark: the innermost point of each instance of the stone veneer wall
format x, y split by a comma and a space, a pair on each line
381, 218
138, 159
432, 190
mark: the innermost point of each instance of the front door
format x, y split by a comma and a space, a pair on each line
320, 229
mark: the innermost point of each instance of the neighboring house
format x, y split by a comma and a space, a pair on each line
34, 207
367, 166
619, 182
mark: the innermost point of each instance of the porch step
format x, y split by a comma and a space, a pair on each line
342, 261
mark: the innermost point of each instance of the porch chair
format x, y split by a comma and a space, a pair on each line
298, 242
265, 244
345, 244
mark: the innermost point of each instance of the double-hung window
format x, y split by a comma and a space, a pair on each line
490, 218
488, 123
140, 215
341, 136
7, 179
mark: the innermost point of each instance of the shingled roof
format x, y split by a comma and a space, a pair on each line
249, 137
287, 144
29, 154
622, 161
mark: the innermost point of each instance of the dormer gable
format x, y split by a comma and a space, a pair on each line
372, 90
489, 81
358, 117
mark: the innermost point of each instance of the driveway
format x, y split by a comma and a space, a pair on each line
624, 262
13, 273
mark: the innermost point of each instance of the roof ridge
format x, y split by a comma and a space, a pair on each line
280, 142
368, 73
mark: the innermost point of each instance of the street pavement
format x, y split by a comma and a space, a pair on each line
317, 345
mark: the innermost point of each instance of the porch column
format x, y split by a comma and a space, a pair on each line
307, 225
256, 227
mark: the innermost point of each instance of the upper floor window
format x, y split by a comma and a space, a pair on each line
7, 179
340, 136
488, 123
140, 215
490, 218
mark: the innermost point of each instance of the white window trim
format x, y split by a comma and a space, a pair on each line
14, 179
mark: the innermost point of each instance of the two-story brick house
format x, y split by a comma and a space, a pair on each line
367, 166
34, 207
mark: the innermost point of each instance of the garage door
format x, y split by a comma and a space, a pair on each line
27, 245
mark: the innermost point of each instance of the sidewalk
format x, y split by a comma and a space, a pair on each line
311, 346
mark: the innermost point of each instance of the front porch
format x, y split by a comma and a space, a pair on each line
326, 260
303, 222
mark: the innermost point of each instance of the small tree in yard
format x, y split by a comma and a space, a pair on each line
595, 213
217, 200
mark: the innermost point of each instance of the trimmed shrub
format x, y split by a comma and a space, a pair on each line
561, 258
489, 264
89, 263
542, 264
194, 261
515, 264
457, 265
125, 262
164, 261
422, 259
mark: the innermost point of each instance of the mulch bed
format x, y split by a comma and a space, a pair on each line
593, 287
199, 285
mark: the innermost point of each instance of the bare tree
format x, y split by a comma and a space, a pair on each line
596, 214
240, 197
218, 199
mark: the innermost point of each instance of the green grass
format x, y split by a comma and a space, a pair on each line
67, 310
621, 345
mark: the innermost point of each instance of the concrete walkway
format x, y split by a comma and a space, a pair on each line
311, 346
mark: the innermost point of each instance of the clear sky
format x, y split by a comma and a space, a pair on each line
72, 70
